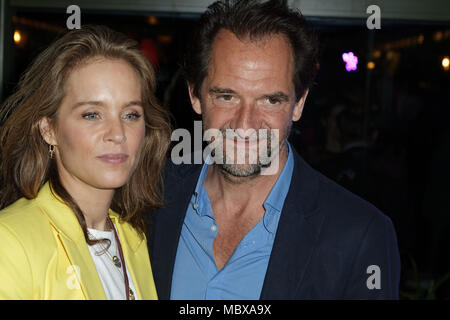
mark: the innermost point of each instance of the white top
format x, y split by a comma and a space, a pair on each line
110, 275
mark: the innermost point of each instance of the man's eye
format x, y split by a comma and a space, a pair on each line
90, 116
272, 100
225, 97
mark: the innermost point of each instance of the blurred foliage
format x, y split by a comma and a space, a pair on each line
416, 290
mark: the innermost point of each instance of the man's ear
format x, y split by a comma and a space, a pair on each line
298, 108
47, 132
195, 101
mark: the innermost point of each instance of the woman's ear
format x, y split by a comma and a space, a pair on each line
47, 132
195, 101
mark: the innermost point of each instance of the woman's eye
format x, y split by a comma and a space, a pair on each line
132, 116
90, 116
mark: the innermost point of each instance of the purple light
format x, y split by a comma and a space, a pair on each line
351, 61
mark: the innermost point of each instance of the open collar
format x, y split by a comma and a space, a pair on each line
295, 240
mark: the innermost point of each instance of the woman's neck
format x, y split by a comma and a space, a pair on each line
93, 202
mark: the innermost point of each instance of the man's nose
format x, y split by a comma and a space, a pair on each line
115, 132
246, 118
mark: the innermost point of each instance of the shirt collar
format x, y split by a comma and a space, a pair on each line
199, 201
275, 200
279, 191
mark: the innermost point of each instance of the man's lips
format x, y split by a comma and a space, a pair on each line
245, 143
113, 158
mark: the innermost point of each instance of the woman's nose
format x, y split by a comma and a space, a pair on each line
115, 132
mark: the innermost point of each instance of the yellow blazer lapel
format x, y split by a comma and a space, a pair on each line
136, 258
86, 271
72, 238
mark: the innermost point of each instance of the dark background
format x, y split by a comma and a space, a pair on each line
383, 133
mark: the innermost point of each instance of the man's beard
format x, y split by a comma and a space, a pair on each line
264, 152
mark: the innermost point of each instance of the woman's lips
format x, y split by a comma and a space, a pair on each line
113, 158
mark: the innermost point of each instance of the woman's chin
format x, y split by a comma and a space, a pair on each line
109, 182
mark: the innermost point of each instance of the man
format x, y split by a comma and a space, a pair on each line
228, 231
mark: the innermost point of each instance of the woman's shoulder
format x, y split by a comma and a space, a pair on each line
26, 247
20, 210
24, 219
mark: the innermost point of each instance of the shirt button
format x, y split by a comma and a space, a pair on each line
213, 228
195, 206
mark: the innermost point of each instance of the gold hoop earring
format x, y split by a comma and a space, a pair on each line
51, 151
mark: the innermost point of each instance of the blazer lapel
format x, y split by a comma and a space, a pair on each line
84, 268
296, 237
72, 239
131, 243
170, 221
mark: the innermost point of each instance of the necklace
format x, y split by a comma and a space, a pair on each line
119, 263
115, 260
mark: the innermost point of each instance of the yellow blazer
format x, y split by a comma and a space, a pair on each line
44, 255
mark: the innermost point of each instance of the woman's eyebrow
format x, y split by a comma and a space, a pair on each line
133, 103
91, 102
100, 103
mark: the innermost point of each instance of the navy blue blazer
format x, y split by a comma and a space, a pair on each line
326, 245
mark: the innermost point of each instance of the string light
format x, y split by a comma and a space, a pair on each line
351, 61
446, 63
152, 20
17, 37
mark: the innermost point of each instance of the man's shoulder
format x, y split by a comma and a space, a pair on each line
173, 173
337, 198
339, 204
178, 178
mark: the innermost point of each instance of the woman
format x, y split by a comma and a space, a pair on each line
83, 147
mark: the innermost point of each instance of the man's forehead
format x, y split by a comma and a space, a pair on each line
226, 38
262, 62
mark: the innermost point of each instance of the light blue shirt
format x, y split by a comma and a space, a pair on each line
196, 275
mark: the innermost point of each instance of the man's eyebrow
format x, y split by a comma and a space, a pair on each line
221, 90
277, 95
100, 103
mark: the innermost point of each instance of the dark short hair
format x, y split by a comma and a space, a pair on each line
252, 19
